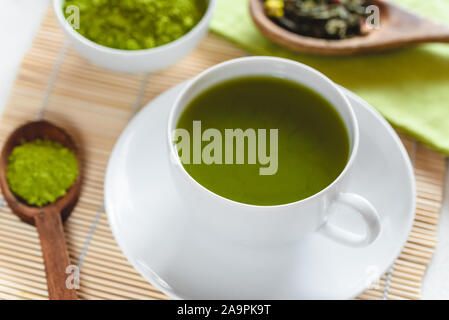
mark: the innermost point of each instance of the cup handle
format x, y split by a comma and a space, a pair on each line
369, 215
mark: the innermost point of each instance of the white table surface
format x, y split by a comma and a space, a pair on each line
20, 19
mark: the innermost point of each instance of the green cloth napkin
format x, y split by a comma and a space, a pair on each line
409, 87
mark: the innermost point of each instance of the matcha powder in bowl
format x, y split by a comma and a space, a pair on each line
135, 24
41, 171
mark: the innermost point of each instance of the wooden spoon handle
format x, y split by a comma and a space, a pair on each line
56, 257
432, 32
440, 34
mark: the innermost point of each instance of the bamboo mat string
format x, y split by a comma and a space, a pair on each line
389, 274
388, 283
136, 106
90, 235
413, 151
53, 78
140, 94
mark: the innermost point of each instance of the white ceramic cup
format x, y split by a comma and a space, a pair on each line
280, 224
132, 61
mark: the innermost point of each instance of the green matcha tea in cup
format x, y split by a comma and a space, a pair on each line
262, 149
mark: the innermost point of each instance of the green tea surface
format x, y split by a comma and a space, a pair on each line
312, 140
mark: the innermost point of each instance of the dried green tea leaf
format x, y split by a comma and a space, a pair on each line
328, 19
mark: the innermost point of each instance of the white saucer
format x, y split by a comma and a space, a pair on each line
147, 220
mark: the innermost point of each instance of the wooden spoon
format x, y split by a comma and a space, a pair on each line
398, 28
48, 219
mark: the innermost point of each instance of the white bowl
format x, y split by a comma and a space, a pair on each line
135, 60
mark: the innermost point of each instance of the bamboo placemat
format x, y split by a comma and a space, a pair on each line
95, 105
